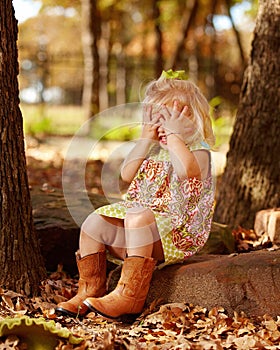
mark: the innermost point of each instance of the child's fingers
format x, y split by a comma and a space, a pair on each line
164, 112
176, 111
156, 123
157, 118
147, 117
185, 111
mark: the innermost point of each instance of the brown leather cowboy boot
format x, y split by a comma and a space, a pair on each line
130, 294
92, 283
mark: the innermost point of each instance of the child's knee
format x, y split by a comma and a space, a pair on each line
139, 217
90, 224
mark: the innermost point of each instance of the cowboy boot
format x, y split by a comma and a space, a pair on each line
92, 283
130, 294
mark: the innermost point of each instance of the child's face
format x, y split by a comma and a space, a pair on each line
157, 109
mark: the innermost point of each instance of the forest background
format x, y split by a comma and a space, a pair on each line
250, 181
133, 41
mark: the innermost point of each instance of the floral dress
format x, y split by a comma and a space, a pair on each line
183, 209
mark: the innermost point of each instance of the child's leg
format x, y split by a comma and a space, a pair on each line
140, 229
130, 294
98, 232
142, 236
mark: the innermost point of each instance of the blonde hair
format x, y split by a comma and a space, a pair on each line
166, 91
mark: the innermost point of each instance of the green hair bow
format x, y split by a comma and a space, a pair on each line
177, 74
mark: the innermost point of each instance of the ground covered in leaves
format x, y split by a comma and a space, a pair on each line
161, 325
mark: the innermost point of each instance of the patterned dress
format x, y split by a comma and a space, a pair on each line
183, 209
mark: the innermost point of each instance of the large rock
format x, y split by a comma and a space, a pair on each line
247, 282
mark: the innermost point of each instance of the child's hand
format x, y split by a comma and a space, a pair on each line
176, 121
150, 123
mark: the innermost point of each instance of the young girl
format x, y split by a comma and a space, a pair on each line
166, 215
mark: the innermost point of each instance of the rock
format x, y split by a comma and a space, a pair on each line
267, 222
244, 282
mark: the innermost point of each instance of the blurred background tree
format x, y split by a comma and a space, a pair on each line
126, 44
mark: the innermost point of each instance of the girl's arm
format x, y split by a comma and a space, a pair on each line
139, 152
134, 159
187, 164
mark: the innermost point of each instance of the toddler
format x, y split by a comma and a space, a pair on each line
167, 212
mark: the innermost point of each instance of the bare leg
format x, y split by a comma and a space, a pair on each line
140, 228
99, 232
89, 245
130, 294
140, 236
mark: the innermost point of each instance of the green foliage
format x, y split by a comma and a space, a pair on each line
57, 120
37, 123
124, 133
40, 121
223, 127
223, 123
214, 103
43, 126
116, 125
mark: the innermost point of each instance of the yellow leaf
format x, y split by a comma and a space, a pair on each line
270, 325
245, 343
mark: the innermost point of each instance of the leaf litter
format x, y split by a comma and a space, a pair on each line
160, 326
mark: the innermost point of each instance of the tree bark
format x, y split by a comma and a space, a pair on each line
251, 178
187, 21
21, 263
159, 39
237, 35
91, 29
104, 65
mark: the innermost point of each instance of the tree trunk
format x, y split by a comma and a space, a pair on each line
236, 33
121, 78
187, 21
21, 263
158, 43
251, 178
91, 29
104, 53
211, 62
